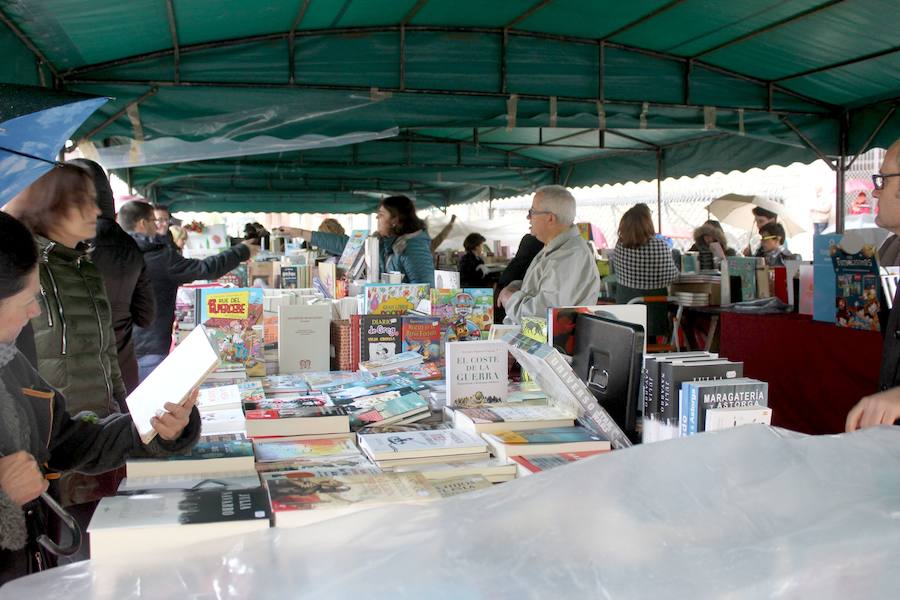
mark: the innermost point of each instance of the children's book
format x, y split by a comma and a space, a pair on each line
233, 318
422, 335
395, 299
465, 314
858, 298
380, 337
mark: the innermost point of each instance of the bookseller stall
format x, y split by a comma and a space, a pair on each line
748, 513
816, 371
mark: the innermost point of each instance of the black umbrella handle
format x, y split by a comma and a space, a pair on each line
69, 521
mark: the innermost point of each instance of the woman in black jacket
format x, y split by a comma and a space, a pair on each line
121, 263
37, 435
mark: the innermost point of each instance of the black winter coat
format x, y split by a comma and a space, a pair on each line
168, 270
529, 246
128, 287
63, 442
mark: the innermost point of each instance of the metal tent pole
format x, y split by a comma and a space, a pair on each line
659, 174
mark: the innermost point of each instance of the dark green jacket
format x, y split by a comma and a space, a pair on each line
76, 346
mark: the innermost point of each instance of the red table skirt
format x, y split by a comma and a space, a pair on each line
816, 371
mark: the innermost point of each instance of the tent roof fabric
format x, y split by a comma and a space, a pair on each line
288, 103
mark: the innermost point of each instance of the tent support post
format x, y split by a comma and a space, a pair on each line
292, 36
659, 174
841, 175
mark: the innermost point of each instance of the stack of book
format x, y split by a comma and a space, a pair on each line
692, 298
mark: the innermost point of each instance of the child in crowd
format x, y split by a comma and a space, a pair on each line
772, 245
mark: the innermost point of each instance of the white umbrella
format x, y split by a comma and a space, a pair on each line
737, 210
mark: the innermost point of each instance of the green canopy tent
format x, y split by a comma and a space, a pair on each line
323, 105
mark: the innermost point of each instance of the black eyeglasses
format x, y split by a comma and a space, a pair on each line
532, 212
878, 179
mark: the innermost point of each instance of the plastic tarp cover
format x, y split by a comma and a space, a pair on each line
754, 512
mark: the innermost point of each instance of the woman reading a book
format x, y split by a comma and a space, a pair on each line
39, 439
404, 242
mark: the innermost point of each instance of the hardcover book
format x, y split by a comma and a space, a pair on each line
465, 314
233, 318
304, 338
422, 335
380, 337
476, 372
395, 299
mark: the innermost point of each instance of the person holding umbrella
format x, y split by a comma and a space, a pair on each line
38, 435
761, 217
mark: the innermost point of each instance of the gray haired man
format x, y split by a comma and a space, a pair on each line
565, 272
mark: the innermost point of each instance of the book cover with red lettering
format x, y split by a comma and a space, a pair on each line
234, 321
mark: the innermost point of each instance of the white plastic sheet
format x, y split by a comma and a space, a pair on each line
754, 512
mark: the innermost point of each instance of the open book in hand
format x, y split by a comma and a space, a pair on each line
172, 381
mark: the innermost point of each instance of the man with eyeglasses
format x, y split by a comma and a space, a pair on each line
564, 272
883, 408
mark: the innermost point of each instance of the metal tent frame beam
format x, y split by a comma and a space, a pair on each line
74, 75
26, 41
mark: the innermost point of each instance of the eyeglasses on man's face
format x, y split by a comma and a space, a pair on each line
532, 212
878, 179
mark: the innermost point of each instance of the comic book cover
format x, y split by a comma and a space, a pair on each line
379, 337
465, 314
859, 297
233, 319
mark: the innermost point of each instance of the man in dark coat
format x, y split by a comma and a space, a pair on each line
883, 408
529, 246
125, 277
168, 270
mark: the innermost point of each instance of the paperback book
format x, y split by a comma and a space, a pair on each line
296, 420
213, 454
163, 521
415, 444
303, 338
299, 500
289, 450
505, 444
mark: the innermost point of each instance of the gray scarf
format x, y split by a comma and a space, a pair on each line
13, 437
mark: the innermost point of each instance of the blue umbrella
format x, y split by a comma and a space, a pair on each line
34, 125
